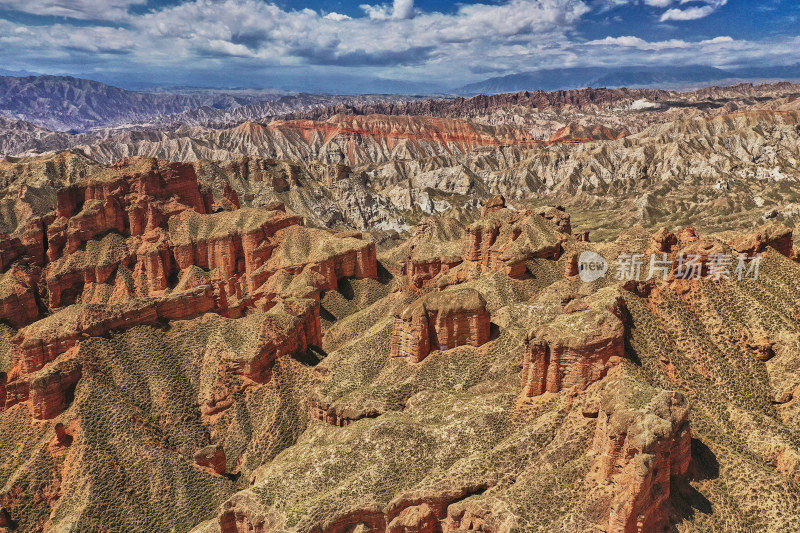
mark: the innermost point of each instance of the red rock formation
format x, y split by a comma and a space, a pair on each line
579, 133
149, 191
693, 259
51, 393
18, 297
48, 390
212, 457
493, 204
281, 334
663, 241
641, 453
3, 379
26, 241
773, 234
559, 217
762, 348
484, 515
577, 348
480, 238
165, 258
421, 270
43, 341
505, 240
420, 518
319, 409
440, 321
238, 515
63, 438
572, 269
349, 131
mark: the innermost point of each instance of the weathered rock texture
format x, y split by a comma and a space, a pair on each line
642, 453
775, 235
578, 347
212, 457
135, 244
440, 321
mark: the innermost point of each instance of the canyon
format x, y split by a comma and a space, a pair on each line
369, 315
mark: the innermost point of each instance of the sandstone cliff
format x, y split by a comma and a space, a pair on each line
440, 321
642, 454
578, 347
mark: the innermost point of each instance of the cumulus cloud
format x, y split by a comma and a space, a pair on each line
337, 16
106, 10
641, 44
693, 13
393, 40
401, 9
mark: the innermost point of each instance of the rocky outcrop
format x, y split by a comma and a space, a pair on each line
18, 305
52, 392
641, 453
762, 348
319, 409
693, 260
495, 203
440, 321
774, 235
663, 241
558, 216
281, 334
213, 458
580, 133
422, 269
504, 240
577, 348
487, 515
420, 518
49, 391
572, 269
134, 196
136, 245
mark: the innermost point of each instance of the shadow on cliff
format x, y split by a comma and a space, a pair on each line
345, 285
687, 500
630, 350
313, 356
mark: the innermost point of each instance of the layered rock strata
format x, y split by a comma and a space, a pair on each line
577, 348
440, 321
135, 244
641, 454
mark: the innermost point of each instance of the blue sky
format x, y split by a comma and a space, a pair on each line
288, 44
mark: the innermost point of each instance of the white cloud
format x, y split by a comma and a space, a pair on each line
337, 17
404, 9
401, 9
693, 13
78, 9
628, 41
255, 36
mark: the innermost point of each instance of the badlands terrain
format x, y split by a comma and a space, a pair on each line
329, 315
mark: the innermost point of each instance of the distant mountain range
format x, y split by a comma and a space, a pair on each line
64, 103
67, 104
643, 76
